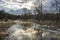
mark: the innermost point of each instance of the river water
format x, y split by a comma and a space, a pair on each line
31, 32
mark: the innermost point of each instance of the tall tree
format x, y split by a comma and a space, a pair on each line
56, 4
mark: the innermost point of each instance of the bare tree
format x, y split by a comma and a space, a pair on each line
39, 10
56, 4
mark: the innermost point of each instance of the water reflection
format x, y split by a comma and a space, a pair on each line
28, 31
21, 32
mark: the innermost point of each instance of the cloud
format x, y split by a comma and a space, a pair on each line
18, 4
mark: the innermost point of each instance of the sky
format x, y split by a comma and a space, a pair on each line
20, 4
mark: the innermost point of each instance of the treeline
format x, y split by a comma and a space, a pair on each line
50, 16
6, 16
39, 16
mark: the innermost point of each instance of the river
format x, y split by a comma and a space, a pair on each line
29, 31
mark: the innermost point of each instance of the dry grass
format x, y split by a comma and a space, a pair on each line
6, 23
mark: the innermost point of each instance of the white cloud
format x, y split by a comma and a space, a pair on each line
18, 4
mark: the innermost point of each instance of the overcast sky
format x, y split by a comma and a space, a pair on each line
19, 4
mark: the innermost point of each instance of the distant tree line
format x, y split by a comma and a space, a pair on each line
39, 16
6, 16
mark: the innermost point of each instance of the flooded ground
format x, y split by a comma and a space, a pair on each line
29, 31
